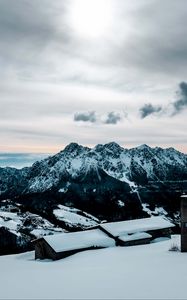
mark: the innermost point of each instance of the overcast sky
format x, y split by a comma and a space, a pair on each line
92, 71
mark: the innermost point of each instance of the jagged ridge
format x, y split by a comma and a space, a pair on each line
133, 166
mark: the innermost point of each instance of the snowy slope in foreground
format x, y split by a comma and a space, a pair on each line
146, 272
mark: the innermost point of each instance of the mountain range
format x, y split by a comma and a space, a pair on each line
108, 181
80, 187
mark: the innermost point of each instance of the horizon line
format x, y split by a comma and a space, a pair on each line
56, 149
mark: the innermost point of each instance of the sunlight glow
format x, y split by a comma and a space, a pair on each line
90, 18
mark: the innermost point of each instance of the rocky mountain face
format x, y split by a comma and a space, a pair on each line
137, 165
107, 181
12, 181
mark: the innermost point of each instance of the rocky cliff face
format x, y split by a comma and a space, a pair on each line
135, 166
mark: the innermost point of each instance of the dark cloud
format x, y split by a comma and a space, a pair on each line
113, 118
176, 106
180, 104
28, 29
32, 31
109, 118
85, 117
160, 43
149, 109
144, 53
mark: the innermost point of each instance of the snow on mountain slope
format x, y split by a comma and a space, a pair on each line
18, 222
134, 166
75, 217
12, 180
19, 226
107, 181
137, 272
158, 211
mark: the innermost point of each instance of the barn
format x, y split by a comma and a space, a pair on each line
64, 244
123, 233
138, 231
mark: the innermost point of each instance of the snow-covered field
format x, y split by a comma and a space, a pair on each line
139, 272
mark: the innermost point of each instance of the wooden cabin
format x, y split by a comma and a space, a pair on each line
138, 231
64, 244
124, 233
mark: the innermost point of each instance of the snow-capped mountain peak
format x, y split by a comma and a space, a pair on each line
133, 166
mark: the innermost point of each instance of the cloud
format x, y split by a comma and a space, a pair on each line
29, 32
91, 116
181, 104
85, 117
48, 72
19, 160
176, 106
149, 109
160, 44
113, 118
36, 38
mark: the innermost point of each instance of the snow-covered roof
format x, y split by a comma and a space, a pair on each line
79, 240
135, 236
184, 196
137, 225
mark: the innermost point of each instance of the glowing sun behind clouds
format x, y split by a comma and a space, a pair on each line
90, 18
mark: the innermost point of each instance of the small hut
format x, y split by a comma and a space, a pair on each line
64, 244
138, 231
124, 233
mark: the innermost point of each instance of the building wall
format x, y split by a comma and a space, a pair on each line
43, 250
183, 224
133, 242
166, 232
71, 252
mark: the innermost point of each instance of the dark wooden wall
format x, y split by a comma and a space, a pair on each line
43, 251
119, 242
184, 224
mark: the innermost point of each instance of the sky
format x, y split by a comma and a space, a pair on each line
92, 71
